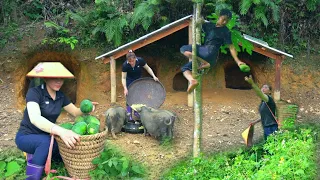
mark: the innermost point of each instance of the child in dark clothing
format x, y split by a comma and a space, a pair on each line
215, 36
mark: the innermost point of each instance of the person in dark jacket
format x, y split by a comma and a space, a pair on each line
131, 71
267, 108
216, 35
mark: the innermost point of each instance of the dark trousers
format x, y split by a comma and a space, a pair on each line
269, 130
38, 145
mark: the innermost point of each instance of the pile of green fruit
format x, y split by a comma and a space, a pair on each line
85, 124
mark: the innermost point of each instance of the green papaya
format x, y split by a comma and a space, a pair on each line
244, 68
79, 119
80, 128
67, 125
92, 128
86, 106
92, 119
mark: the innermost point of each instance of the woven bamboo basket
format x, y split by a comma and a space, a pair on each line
78, 161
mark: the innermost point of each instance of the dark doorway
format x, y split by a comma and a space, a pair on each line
154, 69
235, 78
69, 88
180, 83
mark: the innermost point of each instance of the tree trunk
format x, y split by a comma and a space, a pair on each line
198, 91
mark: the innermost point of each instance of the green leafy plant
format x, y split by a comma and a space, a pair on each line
8, 33
144, 13
113, 164
33, 10
9, 169
285, 155
260, 9
289, 121
103, 23
236, 35
63, 33
12, 165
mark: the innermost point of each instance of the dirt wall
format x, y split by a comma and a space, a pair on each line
93, 77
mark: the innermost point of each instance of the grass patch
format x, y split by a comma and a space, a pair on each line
289, 154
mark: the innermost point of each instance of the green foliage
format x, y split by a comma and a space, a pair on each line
113, 164
104, 20
60, 168
236, 35
289, 121
12, 165
62, 32
33, 10
261, 8
144, 13
9, 169
286, 155
8, 33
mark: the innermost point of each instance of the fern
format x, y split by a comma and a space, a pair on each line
111, 28
256, 1
275, 11
261, 9
245, 6
312, 4
260, 14
144, 13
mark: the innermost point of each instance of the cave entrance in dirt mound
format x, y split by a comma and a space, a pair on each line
234, 78
69, 87
180, 83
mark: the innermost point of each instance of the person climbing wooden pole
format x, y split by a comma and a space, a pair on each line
205, 56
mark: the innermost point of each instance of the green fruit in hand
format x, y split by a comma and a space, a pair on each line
79, 119
244, 68
91, 119
92, 128
66, 125
86, 106
80, 128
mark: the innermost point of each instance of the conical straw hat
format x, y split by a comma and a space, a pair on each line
247, 135
50, 70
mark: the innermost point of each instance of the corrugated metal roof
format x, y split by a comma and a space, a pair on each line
259, 43
143, 38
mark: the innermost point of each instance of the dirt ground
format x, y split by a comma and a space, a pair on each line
226, 113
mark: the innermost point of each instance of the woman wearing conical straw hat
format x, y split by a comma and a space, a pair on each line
44, 104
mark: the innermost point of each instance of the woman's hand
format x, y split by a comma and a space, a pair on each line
94, 106
69, 137
249, 79
125, 92
255, 122
155, 78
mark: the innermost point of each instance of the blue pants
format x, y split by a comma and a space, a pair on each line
38, 145
269, 130
206, 53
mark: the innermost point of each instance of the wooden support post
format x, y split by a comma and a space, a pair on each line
190, 95
113, 80
276, 94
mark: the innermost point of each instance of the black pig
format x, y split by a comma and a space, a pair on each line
158, 123
116, 117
